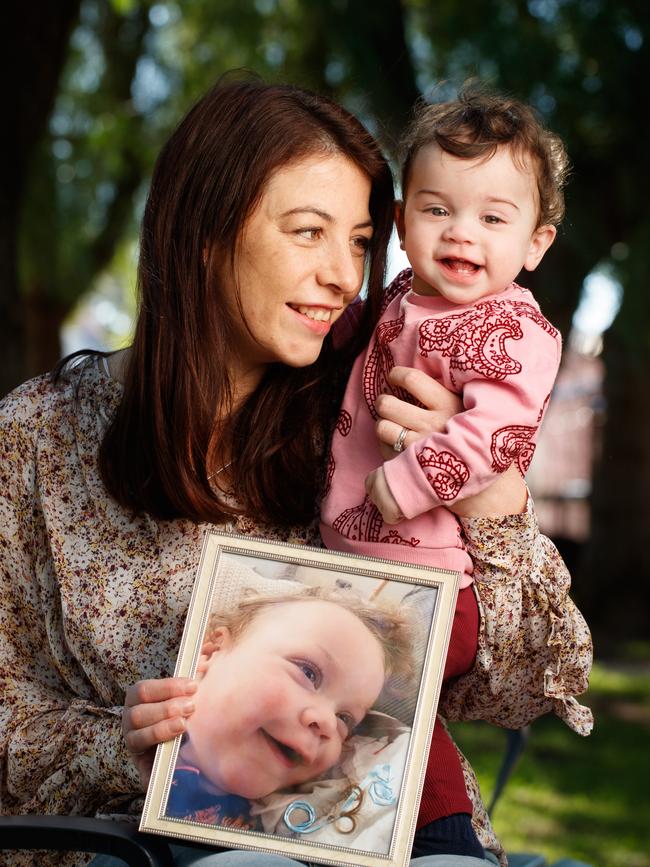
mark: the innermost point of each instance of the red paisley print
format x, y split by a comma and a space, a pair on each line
360, 523
513, 444
400, 286
476, 339
380, 363
394, 538
543, 409
528, 311
363, 523
452, 472
344, 423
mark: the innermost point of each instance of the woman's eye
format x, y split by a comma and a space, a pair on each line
361, 244
310, 671
311, 233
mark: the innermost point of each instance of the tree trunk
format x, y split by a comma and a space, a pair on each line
12, 368
44, 317
614, 578
37, 43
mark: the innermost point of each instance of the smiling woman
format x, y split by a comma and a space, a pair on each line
265, 199
268, 205
300, 263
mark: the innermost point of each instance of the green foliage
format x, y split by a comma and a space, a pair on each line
585, 798
135, 66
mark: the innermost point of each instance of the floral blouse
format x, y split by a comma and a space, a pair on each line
93, 598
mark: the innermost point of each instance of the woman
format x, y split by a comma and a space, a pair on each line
267, 207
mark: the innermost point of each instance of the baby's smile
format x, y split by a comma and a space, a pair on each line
293, 757
460, 265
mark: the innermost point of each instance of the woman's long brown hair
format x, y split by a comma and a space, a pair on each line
164, 441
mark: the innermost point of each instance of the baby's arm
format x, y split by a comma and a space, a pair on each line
496, 428
379, 494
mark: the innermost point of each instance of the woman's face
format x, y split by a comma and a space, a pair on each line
300, 262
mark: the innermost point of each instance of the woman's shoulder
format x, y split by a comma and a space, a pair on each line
49, 402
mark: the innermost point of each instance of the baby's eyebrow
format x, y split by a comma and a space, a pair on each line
326, 653
496, 200
425, 192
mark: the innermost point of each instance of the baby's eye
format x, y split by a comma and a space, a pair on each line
492, 219
310, 670
438, 211
348, 722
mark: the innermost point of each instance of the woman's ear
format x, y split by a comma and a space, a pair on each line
219, 639
541, 240
399, 221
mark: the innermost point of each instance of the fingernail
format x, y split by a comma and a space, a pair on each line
187, 707
178, 726
191, 686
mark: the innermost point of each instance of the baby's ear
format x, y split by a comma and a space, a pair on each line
219, 639
540, 241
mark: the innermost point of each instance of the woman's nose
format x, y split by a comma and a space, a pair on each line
341, 271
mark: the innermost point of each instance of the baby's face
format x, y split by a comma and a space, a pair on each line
274, 707
469, 226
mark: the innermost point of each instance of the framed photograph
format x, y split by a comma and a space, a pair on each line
318, 681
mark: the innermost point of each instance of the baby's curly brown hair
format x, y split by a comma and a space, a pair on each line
389, 624
479, 121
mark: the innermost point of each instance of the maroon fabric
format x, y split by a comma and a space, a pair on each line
464, 635
444, 790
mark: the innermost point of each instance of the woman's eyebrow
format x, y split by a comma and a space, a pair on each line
308, 209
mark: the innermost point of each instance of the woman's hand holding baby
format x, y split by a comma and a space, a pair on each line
507, 495
155, 712
437, 406
403, 422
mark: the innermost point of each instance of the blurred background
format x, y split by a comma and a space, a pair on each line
94, 88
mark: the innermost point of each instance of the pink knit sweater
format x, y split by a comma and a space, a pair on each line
502, 356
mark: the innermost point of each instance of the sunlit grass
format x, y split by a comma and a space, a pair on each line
585, 798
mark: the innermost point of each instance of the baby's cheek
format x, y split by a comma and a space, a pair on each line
331, 755
276, 700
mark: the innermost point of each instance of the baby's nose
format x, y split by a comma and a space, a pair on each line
459, 229
321, 719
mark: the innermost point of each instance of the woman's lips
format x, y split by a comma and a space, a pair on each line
317, 319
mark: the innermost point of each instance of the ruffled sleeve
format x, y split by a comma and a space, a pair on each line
535, 650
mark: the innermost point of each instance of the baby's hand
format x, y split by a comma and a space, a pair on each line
379, 494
